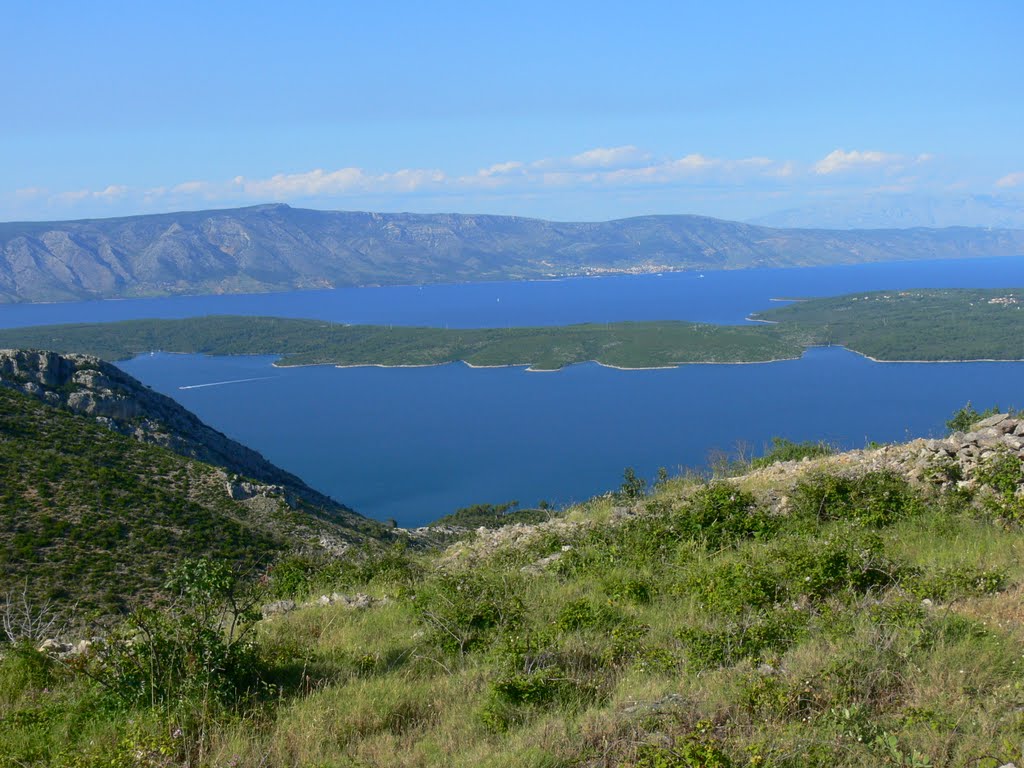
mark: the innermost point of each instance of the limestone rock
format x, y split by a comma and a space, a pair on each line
277, 608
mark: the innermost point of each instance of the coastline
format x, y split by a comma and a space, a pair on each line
529, 367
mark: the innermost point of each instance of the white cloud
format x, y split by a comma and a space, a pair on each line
609, 157
1011, 180
502, 169
30, 193
625, 167
839, 161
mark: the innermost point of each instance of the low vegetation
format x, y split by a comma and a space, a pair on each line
833, 616
311, 342
92, 518
939, 324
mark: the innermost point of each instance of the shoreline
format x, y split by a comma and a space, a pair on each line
529, 367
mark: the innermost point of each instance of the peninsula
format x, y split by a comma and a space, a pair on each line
912, 325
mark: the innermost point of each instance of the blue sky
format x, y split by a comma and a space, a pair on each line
577, 111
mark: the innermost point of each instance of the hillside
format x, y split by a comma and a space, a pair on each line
928, 325
858, 609
94, 388
94, 517
276, 247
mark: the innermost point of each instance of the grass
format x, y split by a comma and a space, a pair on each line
92, 518
703, 629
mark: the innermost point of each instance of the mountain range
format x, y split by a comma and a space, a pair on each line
276, 247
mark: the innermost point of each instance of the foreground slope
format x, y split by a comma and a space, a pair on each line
92, 517
276, 247
94, 388
860, 609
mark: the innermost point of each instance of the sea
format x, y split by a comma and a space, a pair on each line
414, 444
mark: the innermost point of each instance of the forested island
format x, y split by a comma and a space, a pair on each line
912, 325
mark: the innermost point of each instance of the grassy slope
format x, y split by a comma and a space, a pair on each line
703, 627
91, 516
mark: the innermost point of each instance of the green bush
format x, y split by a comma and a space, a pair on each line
465, 611
192, 648
751, 638
697, 749
720, 513
848, 560
956, 581
733, 587
874, 499
584, 614
787, 450
965, 418
639, 591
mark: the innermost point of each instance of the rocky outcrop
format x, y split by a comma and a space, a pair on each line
357, 602
957, 458
94, 388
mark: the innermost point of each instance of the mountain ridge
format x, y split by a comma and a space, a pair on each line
276, 247
91, 387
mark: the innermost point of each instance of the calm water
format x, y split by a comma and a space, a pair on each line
717, 297
414, 444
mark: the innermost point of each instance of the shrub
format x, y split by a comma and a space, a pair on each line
583, 614
1002, 473
465, 611
639, 591
875, 499
752, 638
540, 681
719, 513
697, 749
733, 587
849, 560
191, 647
632, 487
787, 450
955, 582
965, 418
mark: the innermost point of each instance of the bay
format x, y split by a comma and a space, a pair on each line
413, 444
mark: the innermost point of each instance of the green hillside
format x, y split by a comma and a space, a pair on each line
94, 518
852, 610
942, 324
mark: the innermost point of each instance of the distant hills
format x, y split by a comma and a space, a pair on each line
276, 247
104, 484
902, 210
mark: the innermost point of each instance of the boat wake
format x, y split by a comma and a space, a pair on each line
221, 383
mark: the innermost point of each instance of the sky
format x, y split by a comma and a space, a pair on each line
560, 110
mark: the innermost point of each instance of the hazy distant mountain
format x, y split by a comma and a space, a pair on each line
889, 211
276, 247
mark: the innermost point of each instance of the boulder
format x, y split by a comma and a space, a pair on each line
993, 421
278, 608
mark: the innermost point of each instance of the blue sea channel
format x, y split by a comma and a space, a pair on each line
413, 444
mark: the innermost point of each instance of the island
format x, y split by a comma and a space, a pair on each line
912, 325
